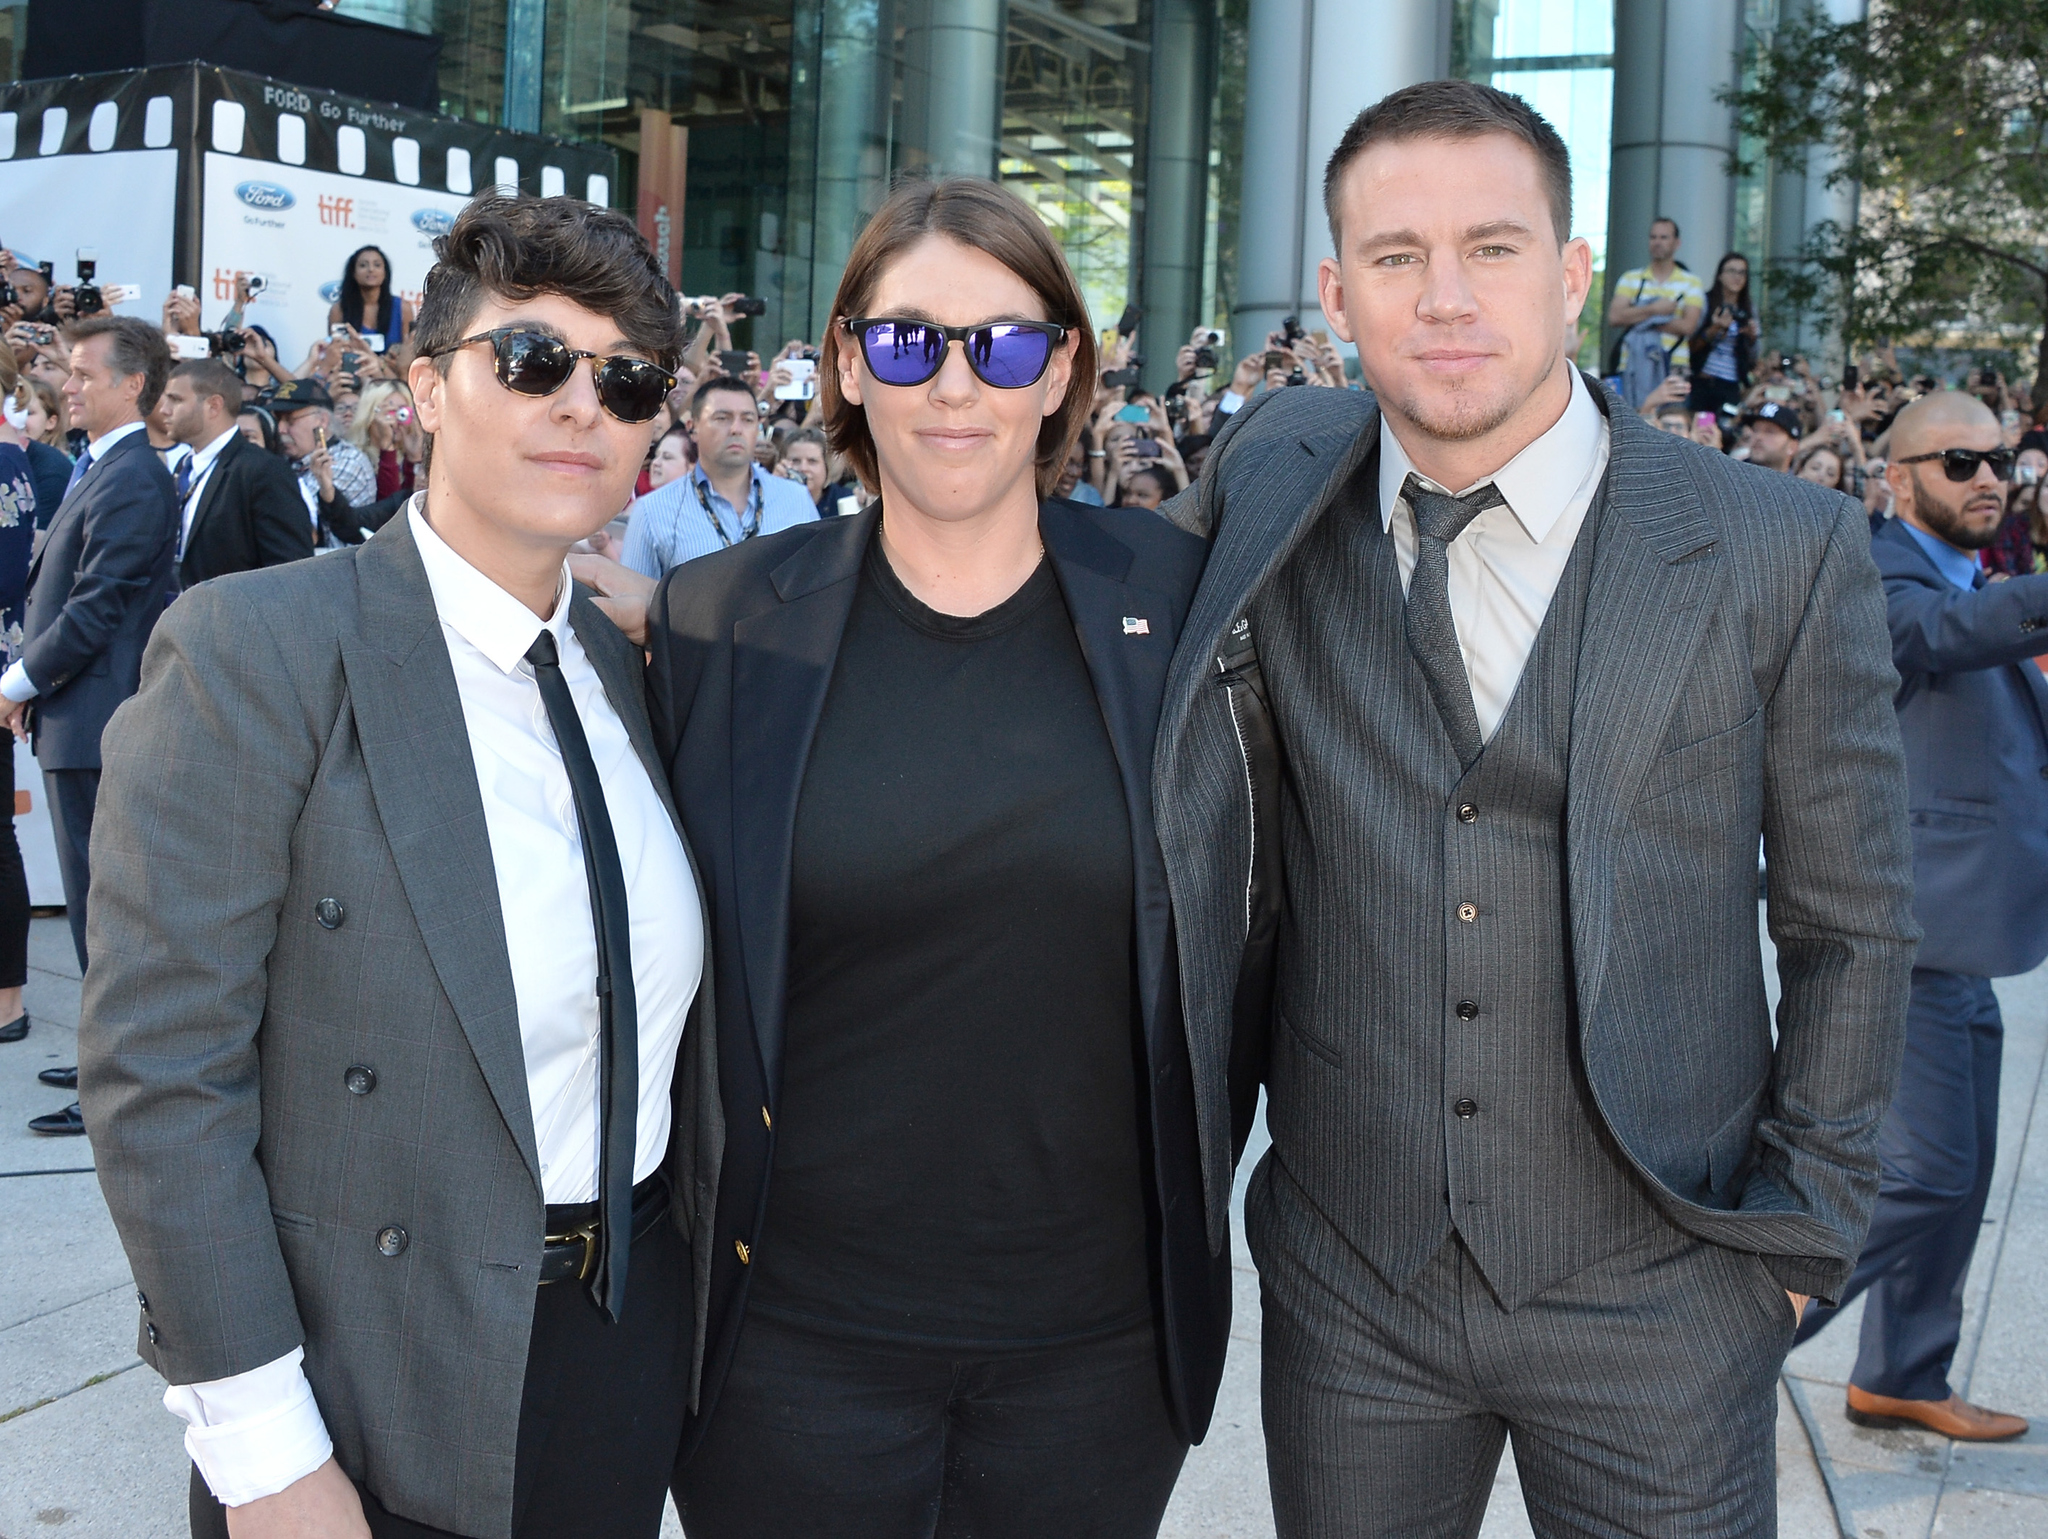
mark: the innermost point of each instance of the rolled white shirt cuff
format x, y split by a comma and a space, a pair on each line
252, 1434
1228, 403
15, 683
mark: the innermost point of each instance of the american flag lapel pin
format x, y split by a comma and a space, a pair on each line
1135, 626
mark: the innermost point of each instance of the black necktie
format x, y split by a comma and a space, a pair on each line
617, 1020
1432, 637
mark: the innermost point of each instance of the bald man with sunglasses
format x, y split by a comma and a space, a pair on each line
1972, 707
396, 1052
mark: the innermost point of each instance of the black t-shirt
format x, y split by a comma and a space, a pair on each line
957, 1152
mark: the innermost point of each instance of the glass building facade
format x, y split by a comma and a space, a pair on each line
800, 114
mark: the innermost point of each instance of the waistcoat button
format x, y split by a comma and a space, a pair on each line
150, 1331
1468, 912
360, 1078
1466, 1108
1467, 1010
392, 1240
1467, 813
330, 913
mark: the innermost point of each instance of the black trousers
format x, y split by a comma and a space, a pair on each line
13, 886
1935, 1154
819, 1435
1640, 1391
600, 1418
72, 793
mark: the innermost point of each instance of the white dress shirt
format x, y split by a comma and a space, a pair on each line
15, 683
1505, 567
253, 1434
203, 460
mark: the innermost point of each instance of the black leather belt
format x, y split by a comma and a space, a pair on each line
569, 1248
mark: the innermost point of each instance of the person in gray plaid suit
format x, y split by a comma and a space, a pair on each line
396, 1051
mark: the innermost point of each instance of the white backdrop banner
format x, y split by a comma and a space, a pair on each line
122, 202
297, 227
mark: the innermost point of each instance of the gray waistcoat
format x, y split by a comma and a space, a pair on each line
1425, 1067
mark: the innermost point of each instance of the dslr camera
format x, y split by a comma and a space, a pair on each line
86, 298
227, 342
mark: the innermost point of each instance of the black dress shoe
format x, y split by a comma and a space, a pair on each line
14, 1031
63, 1079
69, 1120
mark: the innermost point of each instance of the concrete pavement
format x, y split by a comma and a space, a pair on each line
88, 1452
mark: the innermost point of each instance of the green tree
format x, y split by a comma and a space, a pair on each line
1938, 109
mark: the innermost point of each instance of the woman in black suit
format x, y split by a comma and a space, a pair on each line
960, 1211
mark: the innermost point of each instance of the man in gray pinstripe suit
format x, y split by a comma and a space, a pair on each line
1541, 677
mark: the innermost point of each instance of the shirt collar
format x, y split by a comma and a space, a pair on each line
1958, 566
754, 481
477, 609
204, 456
100, 445
1539, 483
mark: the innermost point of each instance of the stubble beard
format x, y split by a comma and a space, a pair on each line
1459, 415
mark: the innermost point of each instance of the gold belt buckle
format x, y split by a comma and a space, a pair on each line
587, 1233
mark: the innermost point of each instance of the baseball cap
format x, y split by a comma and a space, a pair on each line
1779, 414
298, 394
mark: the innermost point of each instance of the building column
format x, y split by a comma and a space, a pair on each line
850, 161
952, 86
525, 34
1800, 202
1672, 137
1176, 181
1313, 66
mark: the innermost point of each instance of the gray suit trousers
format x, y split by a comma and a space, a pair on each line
1640, 1392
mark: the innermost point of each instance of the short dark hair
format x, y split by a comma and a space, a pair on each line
134, 347
711, 384
1454, 109
518, 248
991, 219
1676, 234
210, 376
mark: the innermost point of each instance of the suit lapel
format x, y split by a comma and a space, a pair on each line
415, 746
620, 669
75, 498
1128, 668
1656, 569
214, 480
782, 660
1255, 537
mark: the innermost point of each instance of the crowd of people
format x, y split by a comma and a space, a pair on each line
1690, 359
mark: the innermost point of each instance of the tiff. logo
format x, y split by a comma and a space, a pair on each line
341, 211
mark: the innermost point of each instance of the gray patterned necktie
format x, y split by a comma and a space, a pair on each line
1432, 637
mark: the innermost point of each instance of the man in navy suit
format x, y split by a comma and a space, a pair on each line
1973, 710
96, 583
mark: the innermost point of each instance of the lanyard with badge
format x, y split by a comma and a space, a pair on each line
750, 521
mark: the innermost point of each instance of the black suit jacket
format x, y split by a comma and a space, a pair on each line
250, 515
96, 585
743, 644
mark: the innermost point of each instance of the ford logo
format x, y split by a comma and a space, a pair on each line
432, 221
264, 195
331, 292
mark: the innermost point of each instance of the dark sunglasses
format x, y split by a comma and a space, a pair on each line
536, 364
1006, 354
1961, 464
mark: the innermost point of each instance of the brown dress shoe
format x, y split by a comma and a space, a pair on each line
1954, 1417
